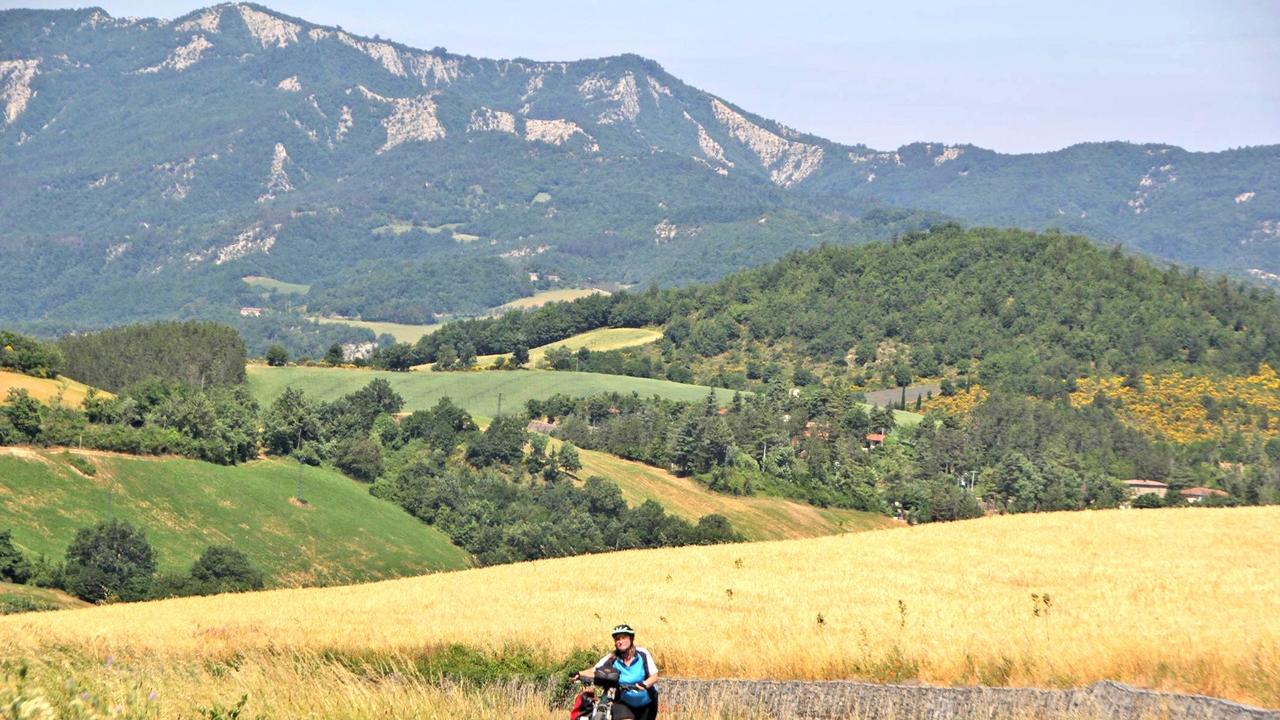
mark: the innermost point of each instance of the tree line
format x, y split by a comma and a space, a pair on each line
1012, 453
113, 560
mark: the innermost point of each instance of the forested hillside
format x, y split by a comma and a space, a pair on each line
1030, 312
152, 165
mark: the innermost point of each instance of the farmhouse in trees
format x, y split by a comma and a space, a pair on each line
1147, 487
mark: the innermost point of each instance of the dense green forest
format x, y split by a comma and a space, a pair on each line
197, 354
1026, 311
420, 292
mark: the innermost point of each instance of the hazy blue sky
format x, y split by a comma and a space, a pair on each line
1015, 76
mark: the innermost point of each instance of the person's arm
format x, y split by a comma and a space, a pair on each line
591, 671
651, 668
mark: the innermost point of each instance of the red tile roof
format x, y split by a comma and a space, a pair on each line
1202, 492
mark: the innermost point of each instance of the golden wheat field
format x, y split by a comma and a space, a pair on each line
46, 390
1179, 599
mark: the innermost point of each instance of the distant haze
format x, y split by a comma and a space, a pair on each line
1012, 76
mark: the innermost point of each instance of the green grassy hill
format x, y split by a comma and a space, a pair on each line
341, 534
27, 598
477, 392
756, 517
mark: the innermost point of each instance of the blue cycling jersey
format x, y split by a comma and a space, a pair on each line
640, 667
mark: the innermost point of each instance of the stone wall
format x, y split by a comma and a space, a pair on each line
784, 700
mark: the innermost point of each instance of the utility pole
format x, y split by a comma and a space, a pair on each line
499, 405
298, 485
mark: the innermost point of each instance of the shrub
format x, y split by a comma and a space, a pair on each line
360, 458
277, 356
222, 568
14, 566
110, 560
81, 463
1148, 500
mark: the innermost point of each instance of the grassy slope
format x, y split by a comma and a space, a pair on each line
1176, 599
21, 597
543, 297
401, 332
475, 391
601, 339
280, 286
758, 518
342, 534
44, 390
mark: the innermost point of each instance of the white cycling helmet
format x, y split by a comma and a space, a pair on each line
624, 629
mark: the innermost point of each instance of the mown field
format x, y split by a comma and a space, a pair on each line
543, 297
46, 389
756, 517
400, 331
1176, 599
342, 533
280, 286
477, 392
595, 340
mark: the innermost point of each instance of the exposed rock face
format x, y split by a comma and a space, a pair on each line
184, 56
411, 119
255, 239
555, 132
344, 123
181, 173
278, 179
434, 71
15, 86
877, 158
1149, 186
656, 89
208, 21
665, 231
268, 29
947, 155
708, 145
1244, 197
383, 53
787, 161
290, 84
624, 94
488, 120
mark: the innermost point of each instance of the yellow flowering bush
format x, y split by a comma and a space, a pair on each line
961, 403
1186, 408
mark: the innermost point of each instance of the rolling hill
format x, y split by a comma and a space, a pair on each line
1058, 599
71, 392
150, 165
756, 517
341, 534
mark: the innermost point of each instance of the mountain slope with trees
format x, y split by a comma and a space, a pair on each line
150, 165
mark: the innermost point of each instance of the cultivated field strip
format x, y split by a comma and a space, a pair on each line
1180, 600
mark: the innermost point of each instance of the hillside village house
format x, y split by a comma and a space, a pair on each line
1146, 487
873, 441
1197, 494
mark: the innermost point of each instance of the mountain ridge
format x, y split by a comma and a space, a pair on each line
250, 142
